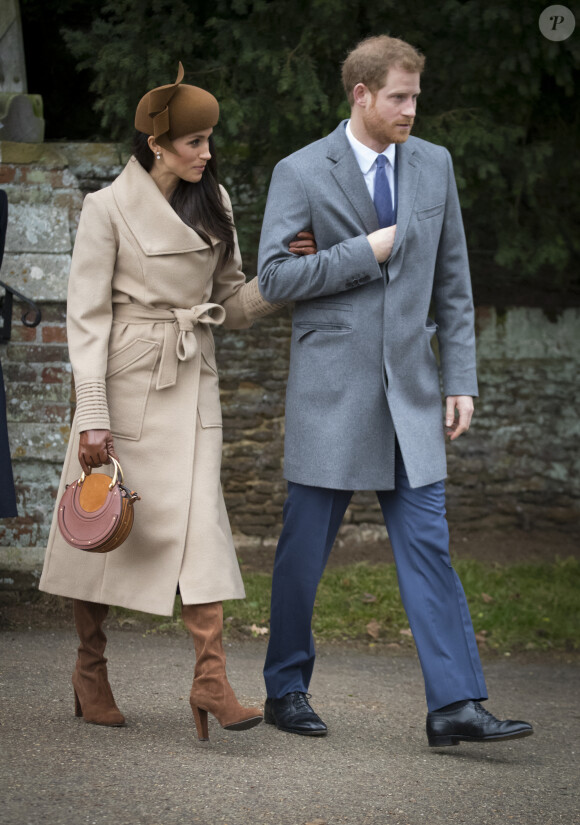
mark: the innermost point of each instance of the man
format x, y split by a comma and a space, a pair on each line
363, 406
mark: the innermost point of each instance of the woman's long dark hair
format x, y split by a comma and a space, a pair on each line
199, 205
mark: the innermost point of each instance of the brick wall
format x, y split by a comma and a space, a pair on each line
519, 466
38, 382
45, 184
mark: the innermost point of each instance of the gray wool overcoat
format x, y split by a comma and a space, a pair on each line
144, 291
362, 367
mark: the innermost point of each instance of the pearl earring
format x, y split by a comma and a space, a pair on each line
158, 155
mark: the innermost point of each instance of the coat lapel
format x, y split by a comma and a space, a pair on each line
154, 224
408, 172
349, 177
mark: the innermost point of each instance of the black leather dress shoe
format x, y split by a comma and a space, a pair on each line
293, 714
471, 723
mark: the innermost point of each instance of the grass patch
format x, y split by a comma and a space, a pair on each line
516, 607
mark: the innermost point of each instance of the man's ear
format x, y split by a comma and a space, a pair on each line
361, 95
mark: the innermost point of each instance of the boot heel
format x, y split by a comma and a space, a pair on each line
78, 709
442, 741
200, 716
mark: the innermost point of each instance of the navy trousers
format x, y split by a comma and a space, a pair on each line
430, 589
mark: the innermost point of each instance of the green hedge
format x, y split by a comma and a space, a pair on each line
496, 92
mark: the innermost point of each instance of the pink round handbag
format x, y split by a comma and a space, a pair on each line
96, 512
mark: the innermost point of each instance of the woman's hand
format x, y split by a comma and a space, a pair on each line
95, 447
303, 244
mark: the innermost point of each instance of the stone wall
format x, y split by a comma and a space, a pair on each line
520, 464
45, 184
518, 467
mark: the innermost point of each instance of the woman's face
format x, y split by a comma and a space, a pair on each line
192, 156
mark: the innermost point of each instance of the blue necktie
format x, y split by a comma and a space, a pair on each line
383, 199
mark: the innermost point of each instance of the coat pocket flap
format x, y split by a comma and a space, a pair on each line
423, 214
304, 328
323, 316
129, 355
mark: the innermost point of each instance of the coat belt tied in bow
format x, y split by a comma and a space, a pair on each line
180, 324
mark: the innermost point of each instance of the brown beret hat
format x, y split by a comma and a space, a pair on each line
172, 111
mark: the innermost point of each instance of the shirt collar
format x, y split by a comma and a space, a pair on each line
366, 156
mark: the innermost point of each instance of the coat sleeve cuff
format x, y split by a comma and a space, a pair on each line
253, 305
92, 411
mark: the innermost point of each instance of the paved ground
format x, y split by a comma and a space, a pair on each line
374, 767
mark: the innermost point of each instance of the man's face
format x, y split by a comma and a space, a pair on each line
389, 114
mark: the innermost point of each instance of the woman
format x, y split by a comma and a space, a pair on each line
7, 491
155, 264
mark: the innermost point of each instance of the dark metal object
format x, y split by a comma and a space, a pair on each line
6, 301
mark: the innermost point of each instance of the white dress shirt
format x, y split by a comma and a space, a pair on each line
367, 160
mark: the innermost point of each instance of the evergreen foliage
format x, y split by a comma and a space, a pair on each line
51, 68
496, 92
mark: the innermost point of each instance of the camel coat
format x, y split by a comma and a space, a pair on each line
144, 292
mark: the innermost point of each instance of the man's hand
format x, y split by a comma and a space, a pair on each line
382, 242
458, 412
303, 244
95, 447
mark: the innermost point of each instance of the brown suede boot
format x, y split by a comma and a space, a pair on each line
93, 696
211, 690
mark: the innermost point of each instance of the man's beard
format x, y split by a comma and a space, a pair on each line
381, 132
